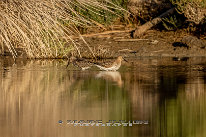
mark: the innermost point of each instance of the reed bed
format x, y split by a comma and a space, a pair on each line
44, 29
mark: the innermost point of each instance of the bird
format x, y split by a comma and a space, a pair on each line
112, 67
84, 64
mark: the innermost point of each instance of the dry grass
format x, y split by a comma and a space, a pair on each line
193, 10
43, 29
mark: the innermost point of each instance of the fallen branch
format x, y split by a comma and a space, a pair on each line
141, 29
102, 33
127, 40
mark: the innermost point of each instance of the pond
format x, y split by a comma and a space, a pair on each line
148, 97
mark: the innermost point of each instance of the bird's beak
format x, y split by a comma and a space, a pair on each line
125, 59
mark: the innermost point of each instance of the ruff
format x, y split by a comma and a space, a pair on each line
114, 66
84, 64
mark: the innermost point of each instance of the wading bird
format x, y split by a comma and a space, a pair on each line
112, 67
83, 64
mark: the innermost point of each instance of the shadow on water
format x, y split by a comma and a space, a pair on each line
169, 94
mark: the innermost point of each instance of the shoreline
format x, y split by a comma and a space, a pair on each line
152, 44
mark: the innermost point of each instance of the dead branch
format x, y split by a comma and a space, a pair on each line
142, 29
127, 40
102, 33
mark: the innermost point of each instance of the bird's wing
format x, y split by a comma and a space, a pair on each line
101, 67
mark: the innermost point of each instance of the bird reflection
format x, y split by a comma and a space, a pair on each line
114, 76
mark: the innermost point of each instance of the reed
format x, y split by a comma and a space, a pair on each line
43, 29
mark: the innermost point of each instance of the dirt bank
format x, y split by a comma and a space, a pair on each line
154, 43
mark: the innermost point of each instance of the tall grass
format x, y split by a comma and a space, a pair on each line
43, 29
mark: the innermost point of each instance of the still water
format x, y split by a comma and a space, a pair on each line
38, 97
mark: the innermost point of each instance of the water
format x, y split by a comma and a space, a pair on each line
167, 93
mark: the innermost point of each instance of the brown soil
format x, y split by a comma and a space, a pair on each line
154, 44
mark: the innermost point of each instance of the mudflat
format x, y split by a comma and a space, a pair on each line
153, 44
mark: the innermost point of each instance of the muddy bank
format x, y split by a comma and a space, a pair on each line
153, 44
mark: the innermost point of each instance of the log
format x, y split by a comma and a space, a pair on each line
142, 29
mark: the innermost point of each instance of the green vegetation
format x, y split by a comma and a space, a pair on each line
105, 13
44, 29
172, 22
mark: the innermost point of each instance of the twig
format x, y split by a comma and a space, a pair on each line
130, 40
